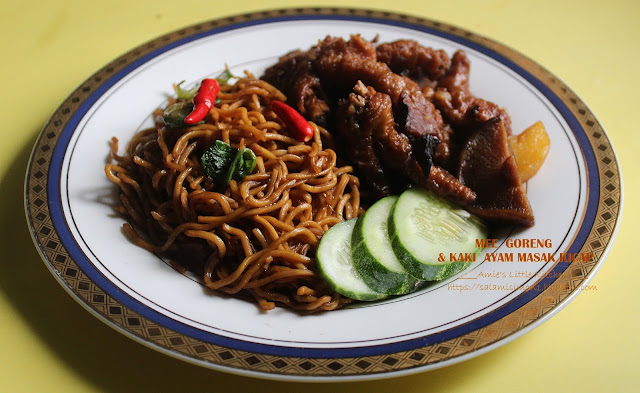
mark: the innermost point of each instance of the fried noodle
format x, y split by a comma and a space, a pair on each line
256, 239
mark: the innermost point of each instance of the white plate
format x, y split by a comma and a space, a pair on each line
576, 198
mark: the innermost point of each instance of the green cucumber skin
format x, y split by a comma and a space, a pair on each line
376, 276
458, 267
414, 267
331, 280
455, 268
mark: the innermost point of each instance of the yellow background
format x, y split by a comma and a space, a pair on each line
49, 343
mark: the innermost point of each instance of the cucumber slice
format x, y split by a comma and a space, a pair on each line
424, 227
372, 255
455, 268
336, 265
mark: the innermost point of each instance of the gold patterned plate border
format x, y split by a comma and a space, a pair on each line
598, 239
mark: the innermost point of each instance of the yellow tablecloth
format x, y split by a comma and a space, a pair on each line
48, 343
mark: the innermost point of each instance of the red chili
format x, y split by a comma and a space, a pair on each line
297, 124
203, 101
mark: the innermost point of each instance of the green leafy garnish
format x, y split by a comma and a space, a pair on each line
185, 94
246, 163
222, 163
242, 165
175, 114
217, 159
224, 76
